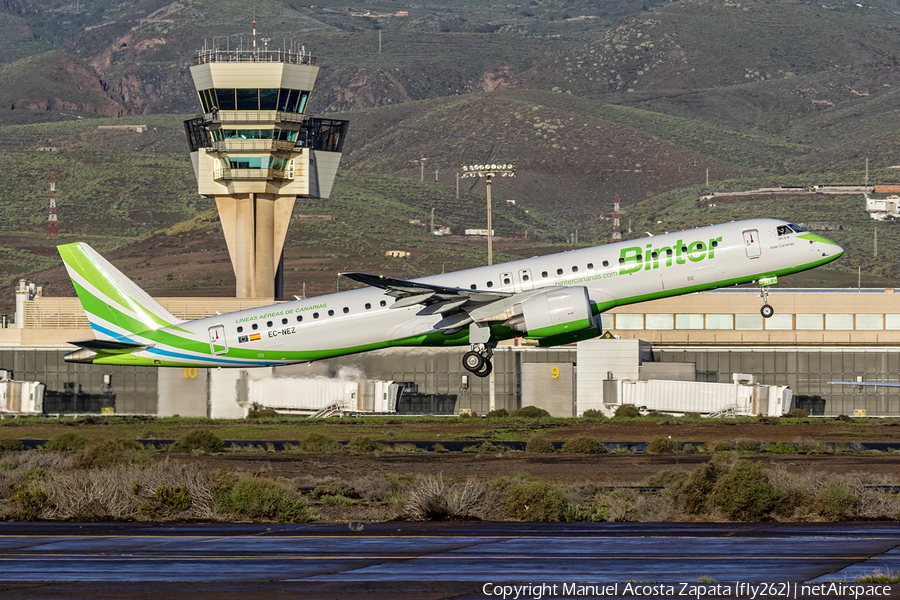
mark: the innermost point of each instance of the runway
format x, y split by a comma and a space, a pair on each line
427, 560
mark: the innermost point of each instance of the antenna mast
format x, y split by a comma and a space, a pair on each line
617, 228
52, 223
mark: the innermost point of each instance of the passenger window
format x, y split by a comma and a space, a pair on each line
490, 284
240, 329
526, 278
574, 269
590, 266
383, 303
640, 257
621, 261
545, 274
368, 306
330, 313
653, 254
299, 318
559, 271
506, 281
715, 244
346, 310
315, 315
255, 327
683, 249
473, 287
669, 252
284, 321
268, 323
605, 263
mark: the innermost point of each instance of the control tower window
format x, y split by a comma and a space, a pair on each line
268, 99
247, 99
225, 99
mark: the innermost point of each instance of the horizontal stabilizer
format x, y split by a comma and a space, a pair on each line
108, 346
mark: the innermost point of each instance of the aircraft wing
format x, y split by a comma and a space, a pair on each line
414, 292
867, 383
457, 306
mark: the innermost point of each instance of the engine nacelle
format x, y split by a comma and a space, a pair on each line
555, 312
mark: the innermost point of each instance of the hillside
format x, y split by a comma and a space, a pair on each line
645, 100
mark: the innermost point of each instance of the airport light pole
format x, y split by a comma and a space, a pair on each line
421, 162
488, 172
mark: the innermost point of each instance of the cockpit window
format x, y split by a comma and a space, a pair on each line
783, 230
797, 228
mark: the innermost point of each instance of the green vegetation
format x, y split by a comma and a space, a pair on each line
198, 440
583, 445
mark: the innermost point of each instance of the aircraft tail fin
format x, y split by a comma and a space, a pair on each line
116, 307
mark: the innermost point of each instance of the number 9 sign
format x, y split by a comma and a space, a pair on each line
554, 372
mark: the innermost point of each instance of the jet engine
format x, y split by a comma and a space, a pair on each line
557, 312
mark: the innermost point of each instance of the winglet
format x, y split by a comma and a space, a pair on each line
115, 306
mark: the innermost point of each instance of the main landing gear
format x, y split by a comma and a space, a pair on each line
478, 360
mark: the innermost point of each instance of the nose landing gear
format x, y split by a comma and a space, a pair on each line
766, 311
478, 360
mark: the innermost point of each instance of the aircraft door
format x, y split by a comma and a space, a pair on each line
523, 278
217, 343
751, 243
506, 282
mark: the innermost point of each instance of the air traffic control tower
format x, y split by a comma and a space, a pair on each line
255, 151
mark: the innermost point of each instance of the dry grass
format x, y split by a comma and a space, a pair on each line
120, 492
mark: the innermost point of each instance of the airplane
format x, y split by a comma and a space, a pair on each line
554, 299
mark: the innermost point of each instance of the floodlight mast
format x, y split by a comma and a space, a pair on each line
488, 172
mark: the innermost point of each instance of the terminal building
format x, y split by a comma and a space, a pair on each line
815, 336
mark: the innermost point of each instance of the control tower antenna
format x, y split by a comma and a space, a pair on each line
52, 223
617, 228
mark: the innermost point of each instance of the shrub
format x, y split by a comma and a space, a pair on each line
662, 445
536, 501
745, 494
336, 500
583, 445
593, 414
746, 446
837, 503
689, 449
198, 440
106, 453
439, 448
166, 499
798, 413
845, 418
66, 442
692, 493
539, 445
268, 499
780, 448
500, 412
627, 411
11, 445
717, 446
531, 412
318, 443
361, 445
432, 499
262, 413
487, 448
